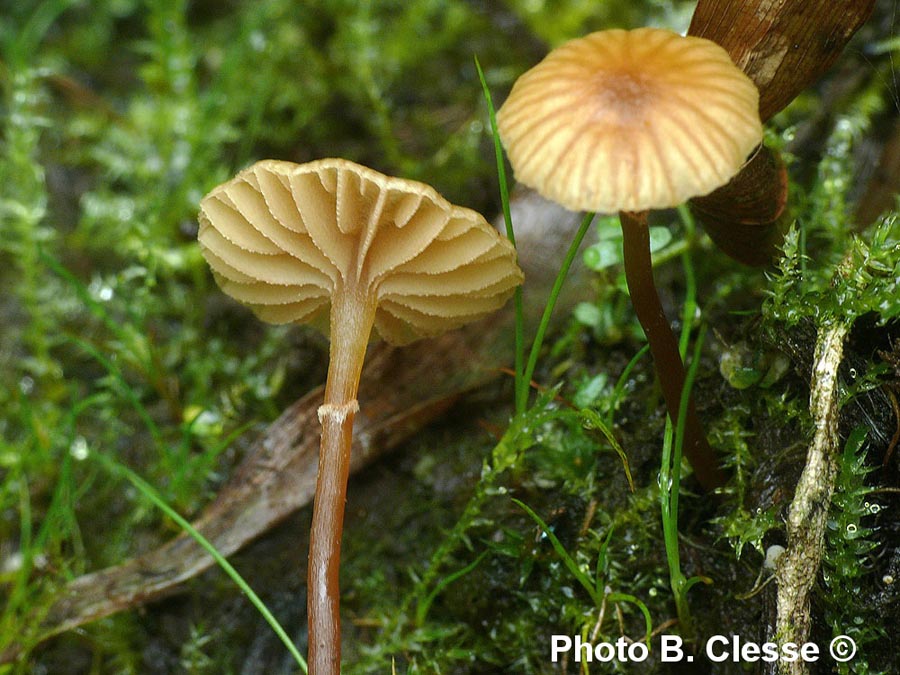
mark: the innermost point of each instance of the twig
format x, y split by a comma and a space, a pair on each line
799, 565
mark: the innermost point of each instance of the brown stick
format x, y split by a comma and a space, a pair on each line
743, 217
807, 518
664, 347
882, 188
783, 45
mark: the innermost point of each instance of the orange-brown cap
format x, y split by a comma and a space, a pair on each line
630, 120
283, 238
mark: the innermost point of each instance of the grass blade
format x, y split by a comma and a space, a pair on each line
150, 493
511, 235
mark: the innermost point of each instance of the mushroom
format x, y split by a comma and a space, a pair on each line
348, 249
628, 121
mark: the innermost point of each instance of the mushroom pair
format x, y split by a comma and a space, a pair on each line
350, 250
628, 121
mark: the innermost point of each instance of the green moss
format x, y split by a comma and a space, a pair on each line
850, 545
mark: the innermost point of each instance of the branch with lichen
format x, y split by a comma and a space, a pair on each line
799, 565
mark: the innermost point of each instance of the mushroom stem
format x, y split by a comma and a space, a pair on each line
352, 317
664, 346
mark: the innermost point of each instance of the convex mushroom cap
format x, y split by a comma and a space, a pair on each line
282, 238
630, 120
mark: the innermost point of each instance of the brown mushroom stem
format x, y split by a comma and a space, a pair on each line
664, 346
352, 317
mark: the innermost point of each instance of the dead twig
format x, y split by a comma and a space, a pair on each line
799, 565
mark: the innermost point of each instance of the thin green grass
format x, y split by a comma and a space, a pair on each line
506, 454
522, 393
172, 465
671, 456
619, 389
423, 606
669, 492
594, 589
153, 496
519, 357
524, 374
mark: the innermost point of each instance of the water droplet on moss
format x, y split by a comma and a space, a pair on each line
79, 448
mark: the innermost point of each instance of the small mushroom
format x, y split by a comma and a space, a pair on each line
629, 121
348, 249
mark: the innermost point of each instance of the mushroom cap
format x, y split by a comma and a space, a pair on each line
630, 120
282, 238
